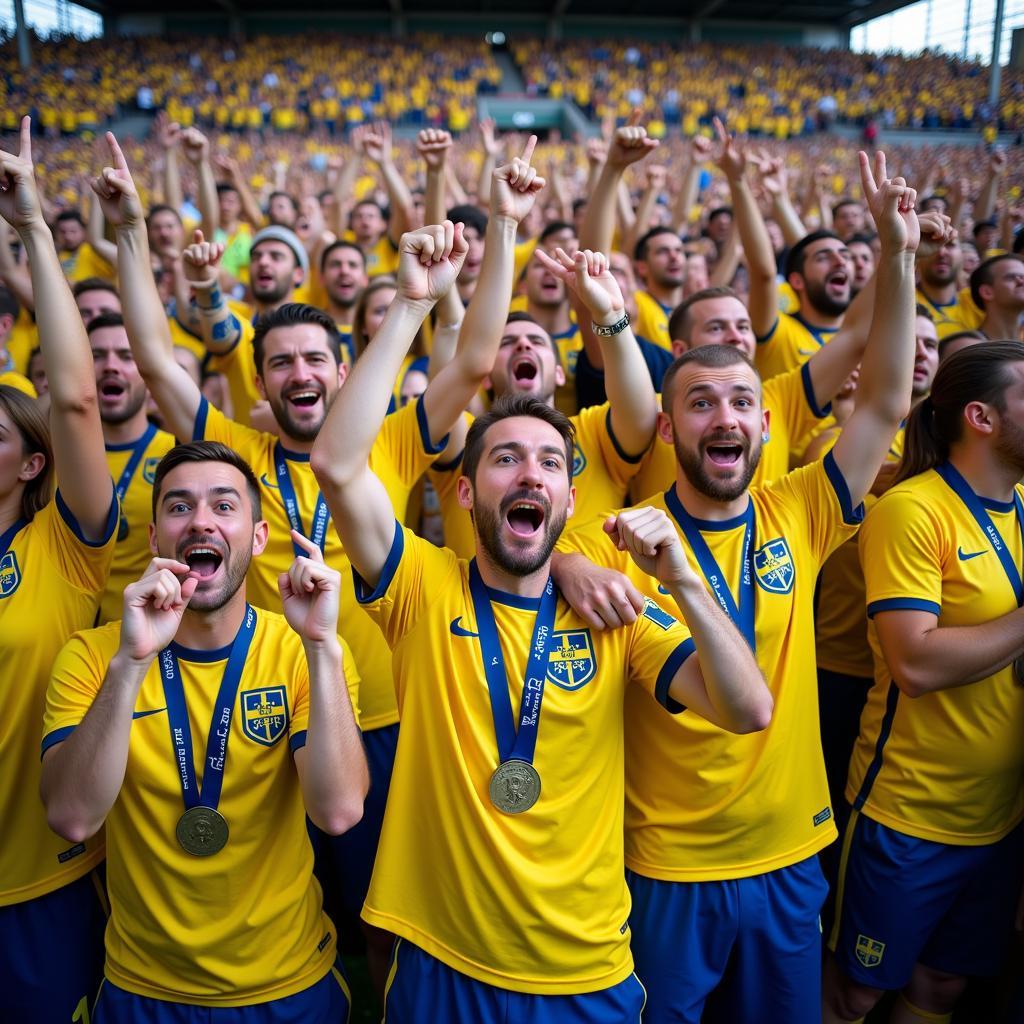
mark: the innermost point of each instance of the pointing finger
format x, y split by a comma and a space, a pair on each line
531, 145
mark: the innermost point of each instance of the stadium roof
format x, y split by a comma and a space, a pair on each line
838, 13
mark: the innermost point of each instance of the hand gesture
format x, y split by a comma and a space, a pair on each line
433, 144
493, 146
891, 203
168, 132
936, 228
118, 198
773, 173
19, 200
731, 159
630, 143
195, 145
597, 151
376, 143
657, 177
516, 185
201, 262
587, 274
997, 161
700, 149
228, 166
429, 261
310, 592
153, 607
652, 542
604, 597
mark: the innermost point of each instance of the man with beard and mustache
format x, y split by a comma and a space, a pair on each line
721, 832
938, 288
509, 871
934, 846
997, 288
134, 447
343, 273
266, 694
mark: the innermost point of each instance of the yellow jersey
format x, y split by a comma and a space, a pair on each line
652, 320
381, 257
703, 804
85, 262
19, 382
946, 766
794, 419
952, 317
50, 586
132, 468
533, 902
400, 456
245, 925
791, 342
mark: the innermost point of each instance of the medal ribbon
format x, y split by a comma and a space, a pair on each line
220, 726
963, 491
138, 450
513, 744
321, 513
741, 612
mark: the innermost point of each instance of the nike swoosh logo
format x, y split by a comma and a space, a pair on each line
458, 630
267, 483
966, 556
144, 714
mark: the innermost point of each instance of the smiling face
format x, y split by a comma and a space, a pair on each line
520, 495
299, 378
526, 362
344, 276
273, 271
204, 518
824, 284
715, 427
121, 390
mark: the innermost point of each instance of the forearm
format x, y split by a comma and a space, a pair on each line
433, 199
94, 231
334, 775
449, 314
624, 210
483, 188
788, 219
250, 208
219, 327
687, 198
144, 316
728, 261
985, 206
598, 228
632, 401
399, 199
208, 204
643, 217
343, 189
455, 189
82, 777
173, 196
757, 247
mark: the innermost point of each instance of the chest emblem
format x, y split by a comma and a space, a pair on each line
579, 460
774, 568
10, 574
571, 658
149, 469
265, 714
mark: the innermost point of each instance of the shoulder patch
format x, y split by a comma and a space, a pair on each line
657, 614
149, 469
10, 574
572, 662
579, 460
773, 566
265, 714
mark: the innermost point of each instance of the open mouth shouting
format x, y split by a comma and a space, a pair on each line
838, 282
111, 390
203, 559
525, 516
524, 371
304, 398
725, 452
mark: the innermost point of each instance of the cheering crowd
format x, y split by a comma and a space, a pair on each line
345, 488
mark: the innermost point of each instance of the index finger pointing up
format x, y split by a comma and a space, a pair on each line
531, 145
25, 151
115, 152
312, 550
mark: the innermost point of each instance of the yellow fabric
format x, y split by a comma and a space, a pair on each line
959, 315
22, 340
533, 902
239, 368
789, 301
522, 255
186, 339
652, 320
246, 924
85, 262
911, 550
791, 342
703, 804
50, 584
381, 257
13, 379
132, 554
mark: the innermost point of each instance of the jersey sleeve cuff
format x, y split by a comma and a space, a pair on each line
51, 739
632, 459
199, 427
762, 338
450, 465
851, 516
903, 604
367, 595
805, 377
421, 420
72, 523
668, 673
297, 741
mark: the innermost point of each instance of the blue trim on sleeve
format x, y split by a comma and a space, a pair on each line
805, 376
667, 674
903, 604
364, 595
51, 739
851, 516
633, 459
421, 419
297, 741
447, 467
761, 339
113, 514
199, 427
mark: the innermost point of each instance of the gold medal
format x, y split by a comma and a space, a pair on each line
515, 786
202, 831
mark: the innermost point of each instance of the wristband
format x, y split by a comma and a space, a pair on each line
616, 328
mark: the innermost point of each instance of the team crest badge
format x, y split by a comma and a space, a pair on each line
265, 714
10, 574
571, 661
149, 470
773, 566
869, 951
657, 614
579, 460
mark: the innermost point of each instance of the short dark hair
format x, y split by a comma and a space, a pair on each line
554, 227
9, 305
861, 238
507, 407
680, 322
471, 217
97, 323
949, 339
924, 311
291, 314
341, 244
225, 186
207, 451
797, 256
66, 215
382, 210
719, 211
93, 284
287, 195
705, 355
983, 274
981, 225
640, 250
162, 208
837, 206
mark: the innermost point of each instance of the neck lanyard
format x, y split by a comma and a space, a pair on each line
321, 513
138, 450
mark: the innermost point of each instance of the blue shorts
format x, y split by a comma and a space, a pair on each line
422, 990
326, 1002
903, 900
349, 857
753, 942
51, 952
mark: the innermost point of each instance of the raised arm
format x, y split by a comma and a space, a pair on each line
345, 171
697, 155
168, 136
433, 145
230, 168
80, 462
775, 181
492, 147
886, 371
985, 207
149, 334
429, 261
657, 176
197, 151
218, 326
94, 232
377, 146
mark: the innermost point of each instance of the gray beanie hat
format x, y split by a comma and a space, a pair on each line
276, 233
